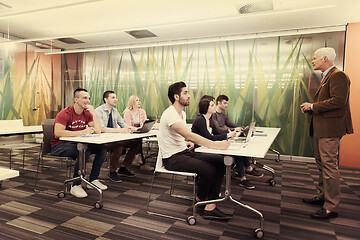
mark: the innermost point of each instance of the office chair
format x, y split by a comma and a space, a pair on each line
45, 152
159, 168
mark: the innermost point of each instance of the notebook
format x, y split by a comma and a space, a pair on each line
146, 127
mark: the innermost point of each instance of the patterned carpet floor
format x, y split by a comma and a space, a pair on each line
25, 214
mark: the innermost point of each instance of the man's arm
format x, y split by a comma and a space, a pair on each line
115, 130
180, 128
339, 93
60, 131
229, 123
95, 123
216, 125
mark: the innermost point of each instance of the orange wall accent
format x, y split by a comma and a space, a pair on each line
350, 144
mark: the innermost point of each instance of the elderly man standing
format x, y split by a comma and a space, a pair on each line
331, 119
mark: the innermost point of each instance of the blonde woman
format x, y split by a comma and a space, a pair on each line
135, 116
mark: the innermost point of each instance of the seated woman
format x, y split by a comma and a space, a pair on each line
135, 116
202, 126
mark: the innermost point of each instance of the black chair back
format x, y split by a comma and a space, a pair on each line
48, 128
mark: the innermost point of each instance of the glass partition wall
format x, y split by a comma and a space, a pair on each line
266, 80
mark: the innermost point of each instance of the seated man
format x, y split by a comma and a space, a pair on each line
222, 124
176, 142
109, 119
79, 120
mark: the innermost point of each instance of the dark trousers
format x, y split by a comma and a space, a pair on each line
141, 151
209, 167
69, 149
117, 149
240, 163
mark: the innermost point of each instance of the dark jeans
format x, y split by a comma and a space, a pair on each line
209, 167
117, 148
240, 163
141, 151
69, 149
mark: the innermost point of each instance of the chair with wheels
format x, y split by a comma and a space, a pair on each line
271, 180
45, 152
159, 168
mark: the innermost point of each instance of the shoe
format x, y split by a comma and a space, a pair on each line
314, 201
247, 184
97, 183
78, 191
124, 172
321, 214
114, 177
199, 209
146, 167
254, 173
215, 214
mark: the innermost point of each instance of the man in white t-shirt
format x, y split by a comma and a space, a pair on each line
176, 142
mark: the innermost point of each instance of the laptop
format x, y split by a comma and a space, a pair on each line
146, 127
248, 132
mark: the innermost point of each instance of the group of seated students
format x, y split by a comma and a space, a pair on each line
82, 119
214, 124
212, 128
177, 142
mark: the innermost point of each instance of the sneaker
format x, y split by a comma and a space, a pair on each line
254, 173
247, 184
114, 177
97, 183
124, 172
78, 191
215, 214
146, 167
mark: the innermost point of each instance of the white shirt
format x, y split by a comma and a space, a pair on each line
170, 142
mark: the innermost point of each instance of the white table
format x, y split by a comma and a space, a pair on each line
10, 139
6, 173
258, 146
102, 138
20, 130
108, 137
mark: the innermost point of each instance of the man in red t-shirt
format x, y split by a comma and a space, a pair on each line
79, 120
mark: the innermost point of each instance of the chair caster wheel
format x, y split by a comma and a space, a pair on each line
259, 233
61, 194
98, 205
271, 182
191, 220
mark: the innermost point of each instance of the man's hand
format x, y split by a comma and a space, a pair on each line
91, 109
88, 130
232, 134
125, 130
222, 145
238, 129
305, 107
190, 145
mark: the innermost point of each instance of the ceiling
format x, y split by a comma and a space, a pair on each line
105, 23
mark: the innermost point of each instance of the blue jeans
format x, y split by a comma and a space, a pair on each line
69, 149
240, 163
